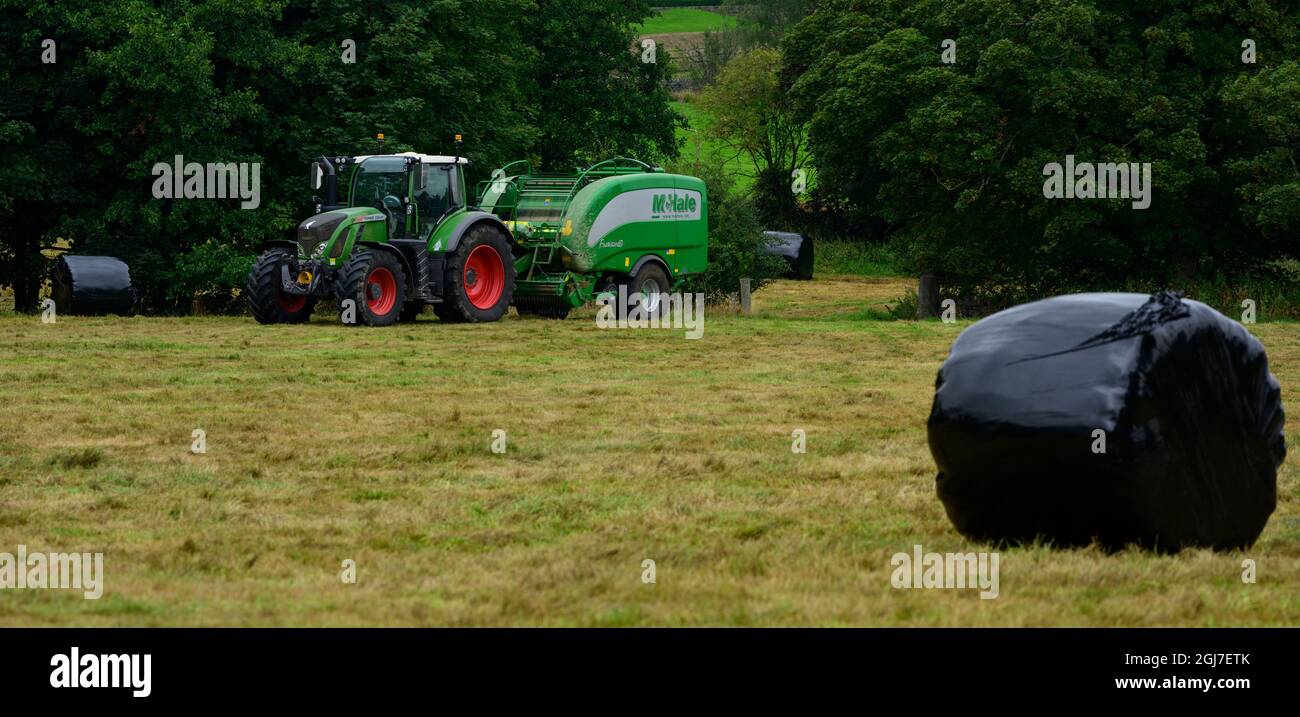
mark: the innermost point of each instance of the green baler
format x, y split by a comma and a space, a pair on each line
620, 221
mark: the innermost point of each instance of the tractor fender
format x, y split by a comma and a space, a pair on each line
401, 258
473, 219
650, 259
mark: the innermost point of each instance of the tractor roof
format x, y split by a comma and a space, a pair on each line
424, 158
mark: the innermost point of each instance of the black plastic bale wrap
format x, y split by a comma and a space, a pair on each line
796, 249
92, 285
1192, 420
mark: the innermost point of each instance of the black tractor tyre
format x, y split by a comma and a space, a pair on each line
265, 298
480, 278
411, 310
374, 280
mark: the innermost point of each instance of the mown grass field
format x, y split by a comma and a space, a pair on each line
328, 443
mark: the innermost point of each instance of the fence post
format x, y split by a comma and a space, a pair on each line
744, 296
927, 297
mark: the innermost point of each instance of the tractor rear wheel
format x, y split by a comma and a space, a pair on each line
269, 304
374, 280
480, 278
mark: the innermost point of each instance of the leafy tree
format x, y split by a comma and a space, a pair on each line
705, 59
596, 97
952, 155
138, 82
129, 86
1268, 109
750, 116
764, 22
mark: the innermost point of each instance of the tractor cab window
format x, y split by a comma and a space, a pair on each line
436, 197
377, 178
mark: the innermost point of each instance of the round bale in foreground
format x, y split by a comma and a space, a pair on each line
92, 285
1116, 418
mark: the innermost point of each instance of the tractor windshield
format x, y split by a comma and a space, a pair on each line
376, 178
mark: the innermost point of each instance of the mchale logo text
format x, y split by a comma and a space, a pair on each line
672, 204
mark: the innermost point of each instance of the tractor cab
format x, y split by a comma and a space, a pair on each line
414, 192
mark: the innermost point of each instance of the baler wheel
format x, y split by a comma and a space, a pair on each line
265, 299
651, 279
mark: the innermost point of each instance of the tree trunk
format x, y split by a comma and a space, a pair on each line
927, 297
27, 273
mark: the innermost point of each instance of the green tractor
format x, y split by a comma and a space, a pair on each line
407, 237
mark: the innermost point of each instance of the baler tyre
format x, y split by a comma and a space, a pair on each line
651, 278
267, 301
411, 310
376, 282
480, 278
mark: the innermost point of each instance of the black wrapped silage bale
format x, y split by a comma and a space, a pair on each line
796, 249
1192, 422
92, 285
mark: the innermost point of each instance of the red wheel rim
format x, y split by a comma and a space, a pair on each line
485, 277
291, 304
381, 291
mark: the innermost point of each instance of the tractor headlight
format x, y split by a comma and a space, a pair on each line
319, 251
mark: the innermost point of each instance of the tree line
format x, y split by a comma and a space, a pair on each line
92, 96
937, 126
950, 152
945, 128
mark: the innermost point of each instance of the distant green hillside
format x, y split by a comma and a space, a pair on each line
685, 19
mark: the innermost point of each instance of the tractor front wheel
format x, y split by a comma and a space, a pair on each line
374, 283
480, 278
267, 301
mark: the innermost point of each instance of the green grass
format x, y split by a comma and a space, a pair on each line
1276, 296
857, 258
696, 143
328, 443
685, 19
